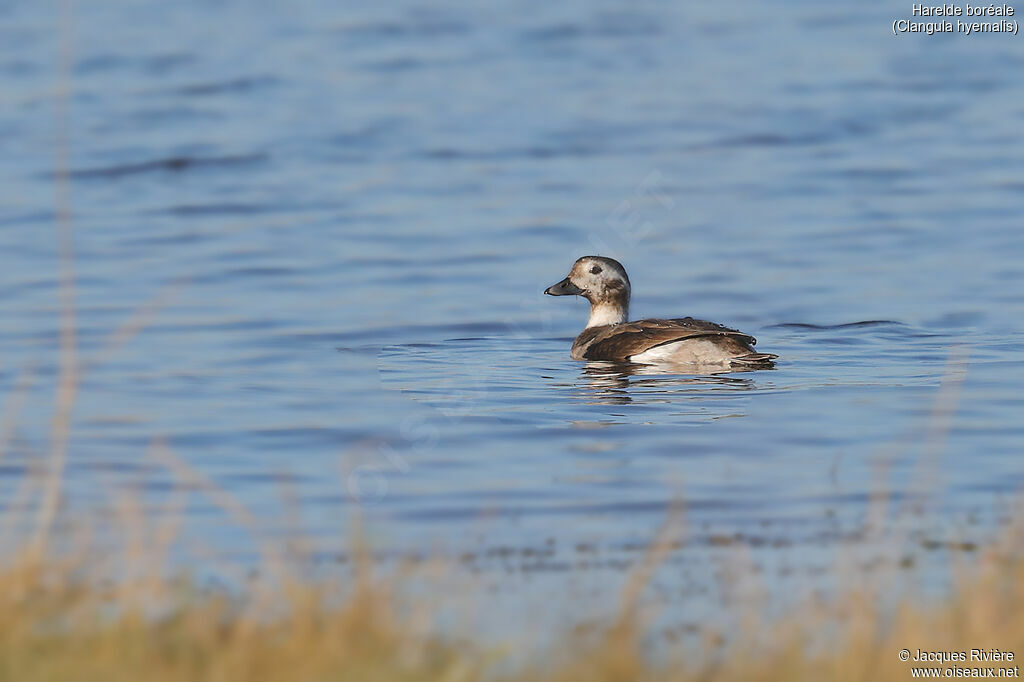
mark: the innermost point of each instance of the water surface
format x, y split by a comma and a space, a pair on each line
324, 231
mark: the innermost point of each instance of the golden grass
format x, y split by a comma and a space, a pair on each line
67, 618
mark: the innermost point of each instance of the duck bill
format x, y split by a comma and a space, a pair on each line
563, 288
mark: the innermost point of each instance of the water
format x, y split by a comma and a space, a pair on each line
324, 230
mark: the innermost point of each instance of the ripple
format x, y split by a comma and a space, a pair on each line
172, 164
220, 209
243, 85
414, 27
845, 325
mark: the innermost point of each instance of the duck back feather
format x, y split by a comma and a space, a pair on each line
658, 339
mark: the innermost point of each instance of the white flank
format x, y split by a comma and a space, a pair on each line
688, 351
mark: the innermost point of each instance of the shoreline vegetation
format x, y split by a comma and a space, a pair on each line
76, 615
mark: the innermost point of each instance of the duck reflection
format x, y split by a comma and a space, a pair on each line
610, 383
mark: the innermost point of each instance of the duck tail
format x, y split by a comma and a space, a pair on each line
754, 360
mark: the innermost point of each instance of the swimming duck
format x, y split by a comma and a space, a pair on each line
608, 335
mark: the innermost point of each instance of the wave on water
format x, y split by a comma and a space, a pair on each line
173, 164
845, 325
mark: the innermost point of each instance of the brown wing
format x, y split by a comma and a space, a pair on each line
620, 341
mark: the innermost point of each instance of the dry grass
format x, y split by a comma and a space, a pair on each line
53, 627
68, 618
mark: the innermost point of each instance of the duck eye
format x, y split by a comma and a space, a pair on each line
595, 270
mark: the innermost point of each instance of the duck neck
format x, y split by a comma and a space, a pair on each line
607, 312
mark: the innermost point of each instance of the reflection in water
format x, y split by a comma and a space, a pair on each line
609, 383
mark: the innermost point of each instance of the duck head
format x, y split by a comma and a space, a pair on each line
603, 282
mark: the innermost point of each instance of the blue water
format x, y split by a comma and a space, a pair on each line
323, 230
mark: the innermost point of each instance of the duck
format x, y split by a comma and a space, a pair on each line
610, 336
